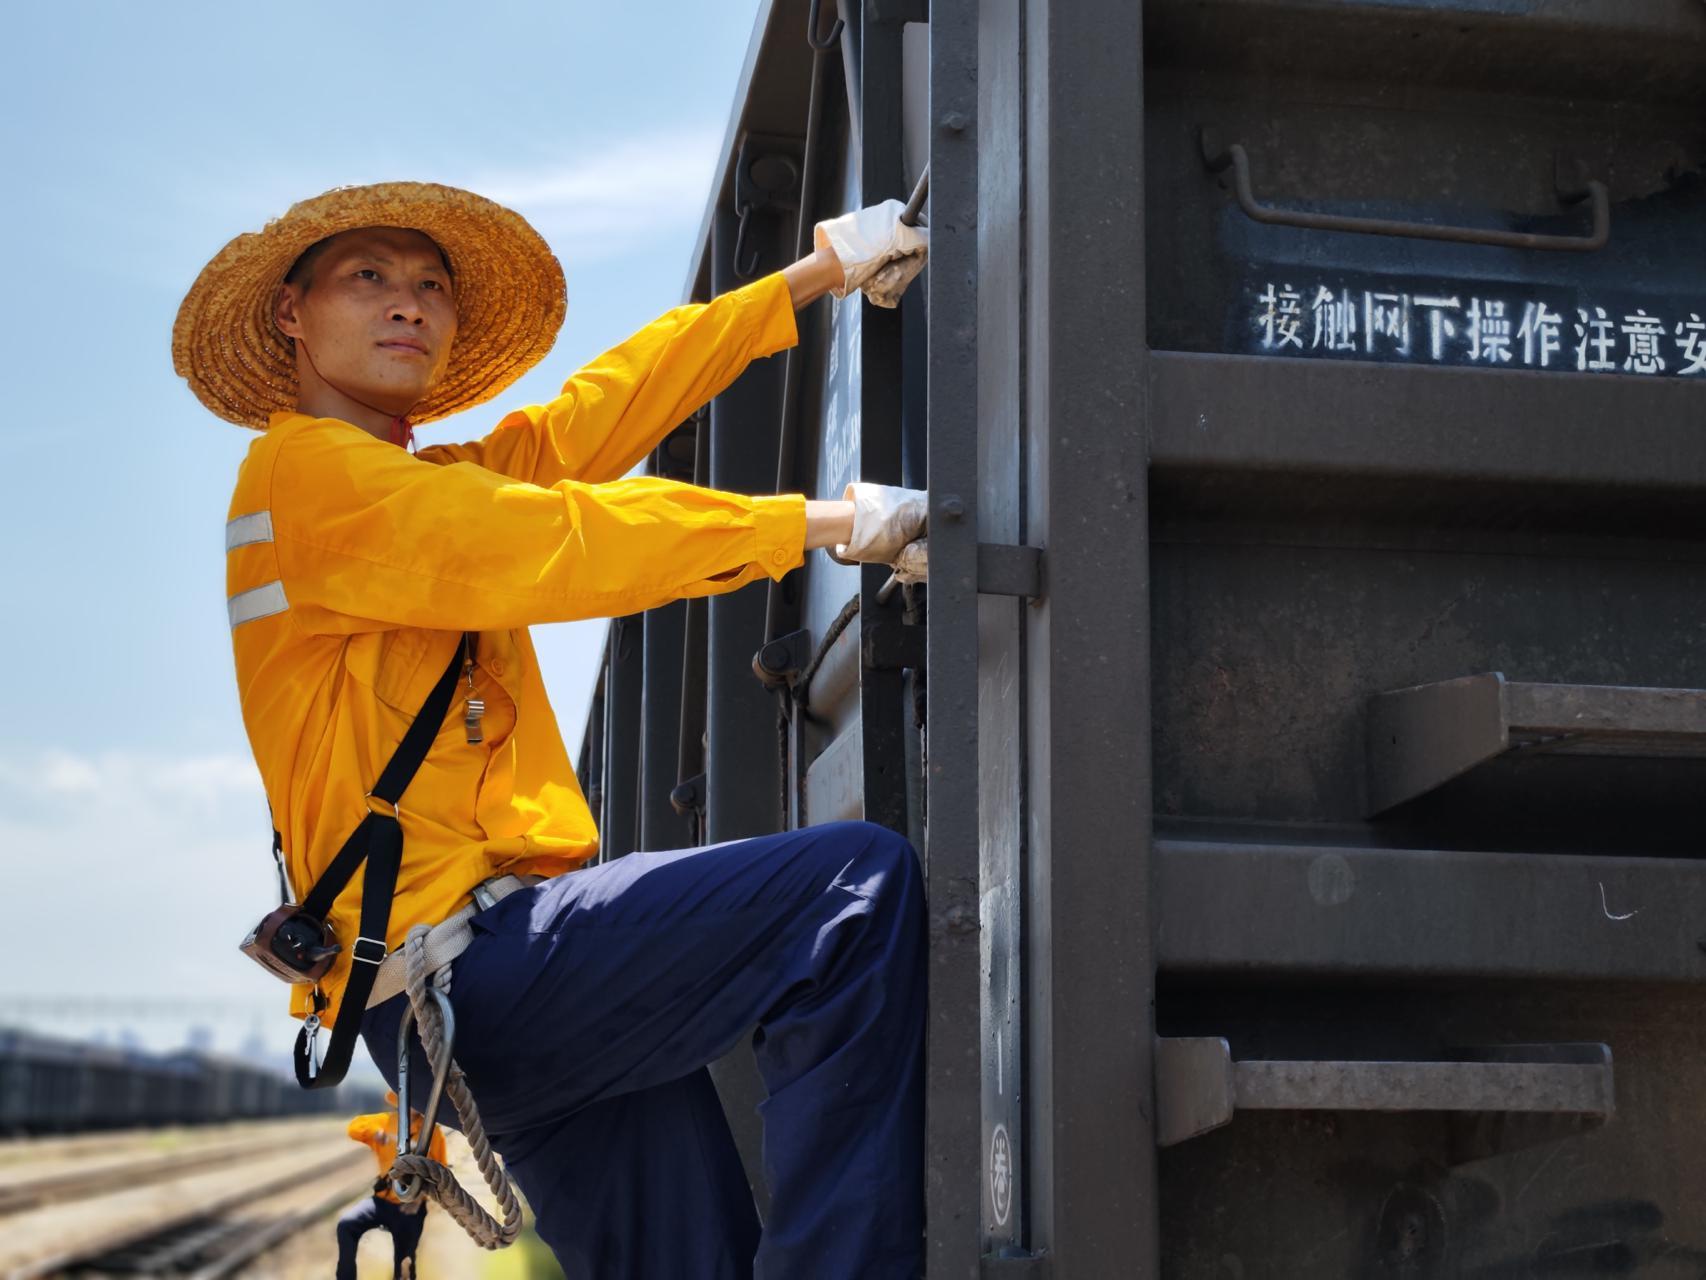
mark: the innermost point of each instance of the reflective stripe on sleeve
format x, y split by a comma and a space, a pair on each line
255, 527
262, 602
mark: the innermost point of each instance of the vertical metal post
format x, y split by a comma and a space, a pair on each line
622, 689
583, 757
1001, 488
661, 827
741, 779
1090, 980
953, 1142
742, 786
850, 13
882, 703
690, 741
592, 771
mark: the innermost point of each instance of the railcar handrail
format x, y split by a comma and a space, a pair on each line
1237, 159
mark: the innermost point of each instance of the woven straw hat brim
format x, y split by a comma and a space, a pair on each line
507, 284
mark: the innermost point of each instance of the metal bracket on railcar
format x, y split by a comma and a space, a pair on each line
1003, 569
1008, 570
1564, 1087
892, 646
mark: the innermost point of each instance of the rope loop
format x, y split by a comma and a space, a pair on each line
437, 1180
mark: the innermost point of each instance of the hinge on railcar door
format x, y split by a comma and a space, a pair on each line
689, 796
779, 663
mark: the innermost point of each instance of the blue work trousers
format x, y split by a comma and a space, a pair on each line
359, 1219
588, 1006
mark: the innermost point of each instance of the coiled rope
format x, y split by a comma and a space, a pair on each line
436, 1179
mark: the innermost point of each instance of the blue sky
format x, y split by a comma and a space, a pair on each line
137, 139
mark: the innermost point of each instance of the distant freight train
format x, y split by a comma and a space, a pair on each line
60, 1086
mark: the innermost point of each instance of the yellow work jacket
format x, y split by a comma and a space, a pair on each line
378, 1132
353, 569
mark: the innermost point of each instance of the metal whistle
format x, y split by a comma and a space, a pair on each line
475, 707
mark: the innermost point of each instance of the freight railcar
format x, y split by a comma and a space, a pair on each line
1304, 726
51, 1085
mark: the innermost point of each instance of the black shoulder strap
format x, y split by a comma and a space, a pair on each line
377, 842
278, 861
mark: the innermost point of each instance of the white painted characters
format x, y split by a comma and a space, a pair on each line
1644, 334
1451, 328
1440, 324
1282, 318
1539, 333
1691, 338
1489, 331
1386, 322
1594, 336
1335, 321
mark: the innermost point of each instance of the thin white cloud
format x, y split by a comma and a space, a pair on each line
603, 203
39, 787
591, 204
168, 853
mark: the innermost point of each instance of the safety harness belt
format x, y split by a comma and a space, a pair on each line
377, 842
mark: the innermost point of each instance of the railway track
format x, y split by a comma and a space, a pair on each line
40, 1152
204, 1212
93, 1171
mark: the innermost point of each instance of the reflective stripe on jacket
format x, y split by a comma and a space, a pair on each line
353, 568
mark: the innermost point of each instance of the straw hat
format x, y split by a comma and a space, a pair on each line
508, 289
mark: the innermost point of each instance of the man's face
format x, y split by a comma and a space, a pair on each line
375, 316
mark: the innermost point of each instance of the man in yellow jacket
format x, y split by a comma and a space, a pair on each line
365, 580
378, 1132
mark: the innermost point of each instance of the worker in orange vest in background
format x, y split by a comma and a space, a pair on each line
381, 1209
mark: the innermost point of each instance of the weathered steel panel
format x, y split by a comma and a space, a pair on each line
1088, 954
1405, 914
1000, 654
1426, 548
955, 1089
1360, 661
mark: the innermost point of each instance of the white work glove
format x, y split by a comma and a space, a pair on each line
913, 563
879, 254
885, 519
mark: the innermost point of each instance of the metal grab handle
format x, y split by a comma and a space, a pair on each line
915, 205
827, 42
746, 265
1235, 157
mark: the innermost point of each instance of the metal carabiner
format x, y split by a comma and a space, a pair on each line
408, 1188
